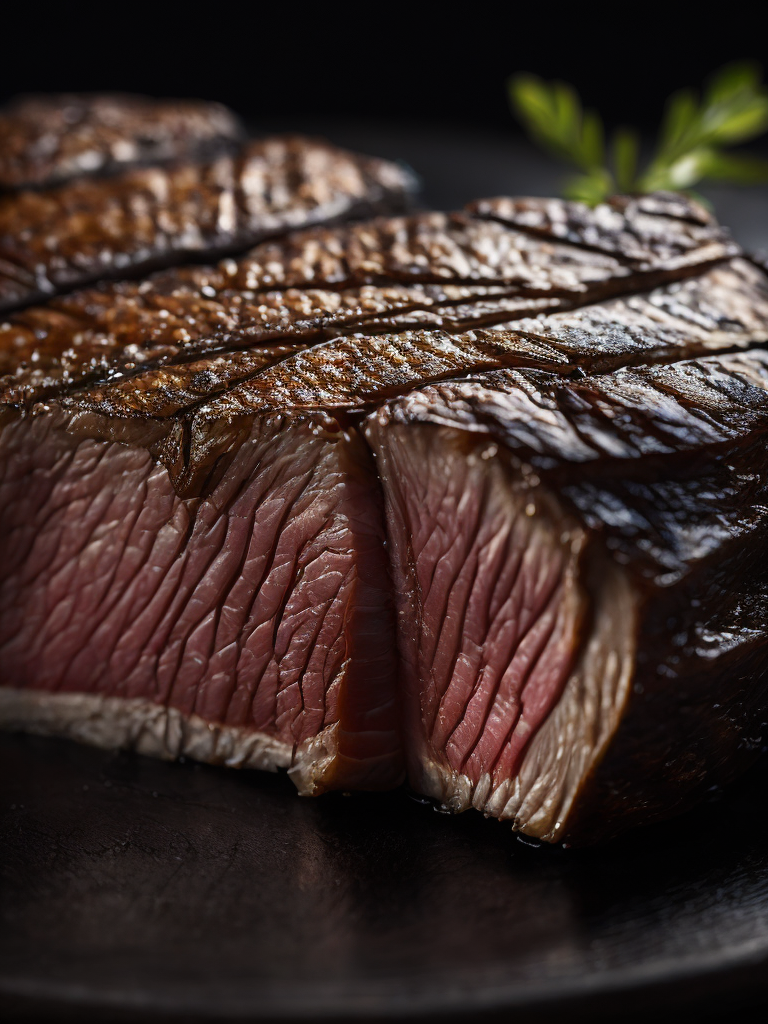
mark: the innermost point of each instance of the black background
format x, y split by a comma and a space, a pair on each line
415, 62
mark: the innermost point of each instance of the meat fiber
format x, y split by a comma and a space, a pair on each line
251, 627
581, 587
478, 498
46, 139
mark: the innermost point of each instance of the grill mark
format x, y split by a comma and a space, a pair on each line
241, 238
543, 234
509, 361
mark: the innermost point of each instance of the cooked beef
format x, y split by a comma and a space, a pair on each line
581, 581
46, 139
640, 231
88, 229
422, 273
206, 479
251, 627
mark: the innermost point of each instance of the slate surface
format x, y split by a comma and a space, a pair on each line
161, 889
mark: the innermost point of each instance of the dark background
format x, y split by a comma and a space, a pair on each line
415, 62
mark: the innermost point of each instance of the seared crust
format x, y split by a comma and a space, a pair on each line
86, 230
405, 284
548, 339
45, 140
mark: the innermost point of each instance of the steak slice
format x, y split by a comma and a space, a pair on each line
196, 558
45, 140
581, 588
87, 229
641, 231
427, 272
250, 627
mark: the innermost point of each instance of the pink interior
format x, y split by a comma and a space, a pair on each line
266, 605
489, 611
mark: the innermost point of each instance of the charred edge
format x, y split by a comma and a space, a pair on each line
567, 371
543, 234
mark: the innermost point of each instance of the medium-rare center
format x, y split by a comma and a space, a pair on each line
475, 500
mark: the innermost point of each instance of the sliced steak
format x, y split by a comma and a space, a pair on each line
428, 272
87, 229
45, 140
581, 585
196, 555
251, 627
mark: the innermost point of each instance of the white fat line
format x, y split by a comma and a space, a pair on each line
151, 729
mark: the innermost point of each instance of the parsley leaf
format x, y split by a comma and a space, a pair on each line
690, 148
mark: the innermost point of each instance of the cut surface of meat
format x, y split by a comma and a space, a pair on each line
491, 608
84, 230
46, 139
480, 497
262, 609
528, 662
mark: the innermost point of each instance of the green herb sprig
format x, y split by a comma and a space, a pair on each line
691, 147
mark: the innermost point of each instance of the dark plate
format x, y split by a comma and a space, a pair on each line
161, 889
139, 890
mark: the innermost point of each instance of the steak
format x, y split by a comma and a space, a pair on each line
473, 499
418, 278
87, 229
46, 139
581, 587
